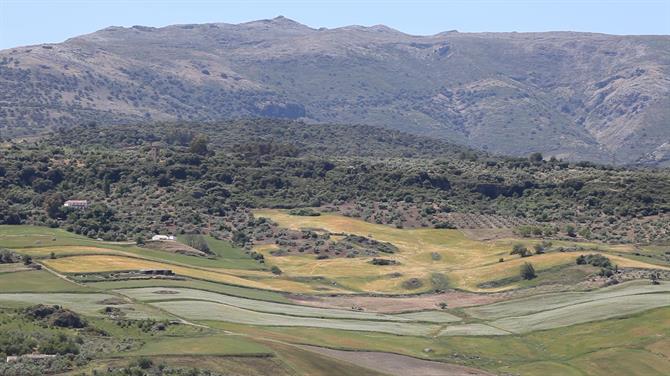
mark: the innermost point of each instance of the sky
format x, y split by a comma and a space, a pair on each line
26, 22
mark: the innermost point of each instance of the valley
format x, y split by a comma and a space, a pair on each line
255, 319
259, 247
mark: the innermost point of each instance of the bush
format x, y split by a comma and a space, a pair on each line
528, 271
595, 260
439, 282
541, 248
381, 261
59, 344
8, 257
521, 250
304, 212
445, 224
143, 363
275, 270
412, 284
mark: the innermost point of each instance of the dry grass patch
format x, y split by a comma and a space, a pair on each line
110, 263
468, 263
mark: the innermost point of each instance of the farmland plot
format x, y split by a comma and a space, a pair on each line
110, 263
525, 306
86, 304
202, 310
579, 313
162, 294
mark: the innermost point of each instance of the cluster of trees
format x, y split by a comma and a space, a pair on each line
8, 257
148, 178
607, 269
16, 342
197, 241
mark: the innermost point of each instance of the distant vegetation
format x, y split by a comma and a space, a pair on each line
148, 179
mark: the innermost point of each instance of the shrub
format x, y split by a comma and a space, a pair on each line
528, 271
8, 257
381, 261
439, 282
595, 260
412, 284
521, 250
304, 212
275, 270
143, 363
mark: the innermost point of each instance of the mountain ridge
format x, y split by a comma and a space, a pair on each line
571, 95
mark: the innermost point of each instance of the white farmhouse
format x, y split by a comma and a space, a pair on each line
162, 237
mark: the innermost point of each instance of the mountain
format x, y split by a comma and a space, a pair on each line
577, 96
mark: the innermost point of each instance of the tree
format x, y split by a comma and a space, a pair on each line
240, 238
199, 145
53, 204
198, 242
528, 271
140, 240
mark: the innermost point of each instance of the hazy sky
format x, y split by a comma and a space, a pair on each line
24, 22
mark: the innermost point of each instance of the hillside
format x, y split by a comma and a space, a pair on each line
163, 177
576, 96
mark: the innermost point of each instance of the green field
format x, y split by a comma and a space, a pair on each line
201, 310
221, 288
36, 281
233, 312
84, 303
226, 345
178, 294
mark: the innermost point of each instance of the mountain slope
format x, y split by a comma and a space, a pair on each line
573, 95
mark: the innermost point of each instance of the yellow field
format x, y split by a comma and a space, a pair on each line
110, 263
466, 262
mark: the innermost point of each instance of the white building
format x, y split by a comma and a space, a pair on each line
77, 204
162, 237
